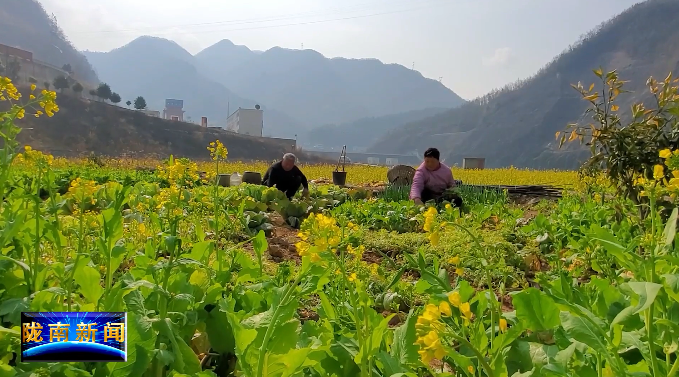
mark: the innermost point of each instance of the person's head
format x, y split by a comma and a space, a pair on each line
288, 161
431, 158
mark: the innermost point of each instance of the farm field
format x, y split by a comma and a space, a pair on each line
240, 281
357, 174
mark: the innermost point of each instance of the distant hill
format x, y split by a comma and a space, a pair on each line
83, 126
516, 125
158, 69
24, 24
317, 90
361, 133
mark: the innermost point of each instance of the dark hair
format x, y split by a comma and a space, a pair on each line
432, 152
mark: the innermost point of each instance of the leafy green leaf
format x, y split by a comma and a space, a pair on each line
671, 282
583, 331
141, 334
219, 332
89, 280
390, 365
647, 292
11, 309
536, 310
200, 250
327, 310
185, 361
260, 246
403, 347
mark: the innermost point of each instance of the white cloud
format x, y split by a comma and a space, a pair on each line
500, 57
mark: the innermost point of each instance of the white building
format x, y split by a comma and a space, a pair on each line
246, 121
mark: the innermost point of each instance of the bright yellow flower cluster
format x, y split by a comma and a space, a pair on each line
169, 200
83, 191
671, 186
182, 173
357, 252
8, 90
319, 234
48, 103
427, 328
430, 226
217, 150
35, 157
464, 307
455, 261
429, 325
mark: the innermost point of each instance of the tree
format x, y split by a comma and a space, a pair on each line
93, 93
60, 83
77, 88
140, 103
115, 98
13, 69
104, 91
47, 85
67, 68
128, 103
626, 150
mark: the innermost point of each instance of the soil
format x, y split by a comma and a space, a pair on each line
372, 257
396, 320
282, 241
307, 315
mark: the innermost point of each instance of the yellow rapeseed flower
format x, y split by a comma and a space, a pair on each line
445, 309
455, 299
665, 153
658, 171
503, 325
465, 309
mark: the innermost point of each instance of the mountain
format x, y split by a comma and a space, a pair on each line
516, 125
211, 60
24, 24
361, 133
158, 69
82, 127
317, 90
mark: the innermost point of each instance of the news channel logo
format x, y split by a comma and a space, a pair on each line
73, 336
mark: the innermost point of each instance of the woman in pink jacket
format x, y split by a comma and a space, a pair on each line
432, 179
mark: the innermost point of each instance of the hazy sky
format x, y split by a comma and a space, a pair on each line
474, 45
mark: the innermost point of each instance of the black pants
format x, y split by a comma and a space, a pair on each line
453, 198
289, 187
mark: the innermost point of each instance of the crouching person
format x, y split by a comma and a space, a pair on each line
431, 181
286, 177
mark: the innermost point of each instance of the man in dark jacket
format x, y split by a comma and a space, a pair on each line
286, 176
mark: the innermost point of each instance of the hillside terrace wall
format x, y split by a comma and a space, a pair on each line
41, 71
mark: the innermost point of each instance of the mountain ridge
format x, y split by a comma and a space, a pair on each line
359, 88
164, 69
515, 125
26, 25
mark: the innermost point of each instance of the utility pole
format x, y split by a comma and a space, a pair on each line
413, 66
302, 46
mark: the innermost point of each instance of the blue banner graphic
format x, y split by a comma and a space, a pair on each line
73, 336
